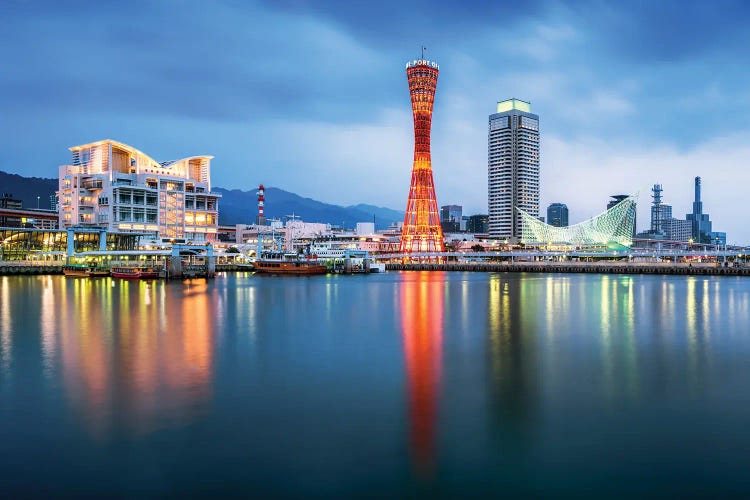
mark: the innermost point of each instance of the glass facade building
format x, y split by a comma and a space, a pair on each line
26, 244
557, 215
450, 218
613, 226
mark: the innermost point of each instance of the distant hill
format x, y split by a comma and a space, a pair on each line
241, 207
27, 189
235, 207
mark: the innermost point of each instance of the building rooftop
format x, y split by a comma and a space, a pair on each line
513, 104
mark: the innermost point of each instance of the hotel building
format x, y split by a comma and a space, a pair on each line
116, 187
512, 167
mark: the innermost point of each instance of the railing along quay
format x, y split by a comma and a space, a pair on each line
572, 268
29, 267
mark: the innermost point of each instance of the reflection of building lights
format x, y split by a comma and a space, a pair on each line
422, 330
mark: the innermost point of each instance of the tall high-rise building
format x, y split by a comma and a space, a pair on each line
422, 231
557, 215
512, 167
701, 222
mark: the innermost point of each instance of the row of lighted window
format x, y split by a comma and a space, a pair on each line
199, 219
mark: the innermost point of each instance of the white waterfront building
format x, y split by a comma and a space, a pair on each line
512, 167
118, 188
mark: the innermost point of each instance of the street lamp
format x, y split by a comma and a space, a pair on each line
37, 202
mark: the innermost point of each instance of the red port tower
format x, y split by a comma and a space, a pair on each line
422, 231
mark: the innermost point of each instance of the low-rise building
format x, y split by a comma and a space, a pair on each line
121, 189
9, 219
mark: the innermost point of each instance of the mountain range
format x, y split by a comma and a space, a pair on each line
235, 206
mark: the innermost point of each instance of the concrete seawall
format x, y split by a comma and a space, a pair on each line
530, 267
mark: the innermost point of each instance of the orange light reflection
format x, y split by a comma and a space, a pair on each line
422, 330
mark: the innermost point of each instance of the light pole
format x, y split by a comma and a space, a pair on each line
37, 202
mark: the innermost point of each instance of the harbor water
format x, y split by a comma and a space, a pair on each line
404, 383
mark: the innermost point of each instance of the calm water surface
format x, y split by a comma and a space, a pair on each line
434, 384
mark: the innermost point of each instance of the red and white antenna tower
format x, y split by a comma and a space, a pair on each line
261, 220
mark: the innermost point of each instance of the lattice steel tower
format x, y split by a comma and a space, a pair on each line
421, 231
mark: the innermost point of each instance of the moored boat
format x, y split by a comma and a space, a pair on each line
134, 273
85, 271
289, 264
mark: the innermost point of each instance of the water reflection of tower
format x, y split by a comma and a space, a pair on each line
422, 331
422, 231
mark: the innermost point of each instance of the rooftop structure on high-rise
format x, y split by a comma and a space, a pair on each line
116, 187
512, 167
422, 231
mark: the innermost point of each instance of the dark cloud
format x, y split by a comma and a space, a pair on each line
231, 78
399, 24
651, 32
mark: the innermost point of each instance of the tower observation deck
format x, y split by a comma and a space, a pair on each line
422, 231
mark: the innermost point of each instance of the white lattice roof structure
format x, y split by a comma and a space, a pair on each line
613, 226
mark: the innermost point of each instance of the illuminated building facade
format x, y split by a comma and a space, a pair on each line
617, 198
613, 226
422, 231
121, 189
512, 167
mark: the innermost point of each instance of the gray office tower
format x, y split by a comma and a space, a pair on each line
512, 167
701, 222
557, 215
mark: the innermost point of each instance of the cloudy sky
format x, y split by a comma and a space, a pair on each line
312, 96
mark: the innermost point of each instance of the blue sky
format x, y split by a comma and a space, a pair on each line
312, 96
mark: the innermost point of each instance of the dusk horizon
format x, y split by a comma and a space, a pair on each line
626, 100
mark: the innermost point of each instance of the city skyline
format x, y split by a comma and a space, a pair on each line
246, 106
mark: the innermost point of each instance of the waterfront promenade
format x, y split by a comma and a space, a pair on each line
698, 269
701, 269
